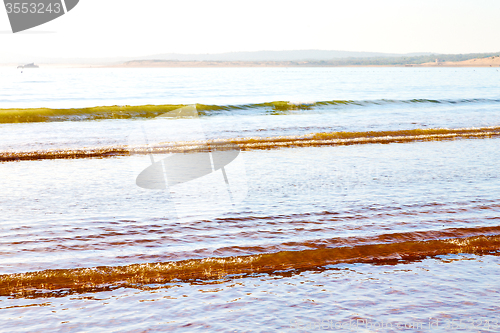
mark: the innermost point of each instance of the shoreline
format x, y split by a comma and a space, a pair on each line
251, 64
269, 64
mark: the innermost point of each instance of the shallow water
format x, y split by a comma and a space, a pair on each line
279, 238
90, 212
449, 293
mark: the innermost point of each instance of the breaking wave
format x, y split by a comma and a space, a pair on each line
382, 249
256, 143
18, 115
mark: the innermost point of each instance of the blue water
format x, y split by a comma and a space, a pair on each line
69, 88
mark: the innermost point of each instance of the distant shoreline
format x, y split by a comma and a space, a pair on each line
484, 62
493, 61
292, 58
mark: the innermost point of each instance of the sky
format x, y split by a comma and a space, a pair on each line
115, 28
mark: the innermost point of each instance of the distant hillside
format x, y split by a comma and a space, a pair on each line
493, 61
407, 60
296, 55
317, 57
258, 58
474, 59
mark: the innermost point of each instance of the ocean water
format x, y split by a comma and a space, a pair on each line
279, 199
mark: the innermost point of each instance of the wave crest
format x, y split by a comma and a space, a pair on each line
18, 115
256, 143
382, 249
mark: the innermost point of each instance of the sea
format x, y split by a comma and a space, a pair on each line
250, 199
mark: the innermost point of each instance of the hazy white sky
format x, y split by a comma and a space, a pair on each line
105, 28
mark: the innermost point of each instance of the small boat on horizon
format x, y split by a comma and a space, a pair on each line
31, 65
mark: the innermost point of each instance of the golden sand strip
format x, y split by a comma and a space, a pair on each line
391, 248
256, 143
